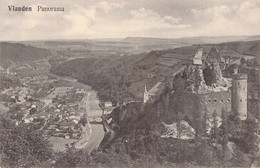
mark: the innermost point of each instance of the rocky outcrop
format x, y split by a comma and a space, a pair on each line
184, 131
130, 121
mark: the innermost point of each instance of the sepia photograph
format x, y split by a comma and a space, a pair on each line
129, 83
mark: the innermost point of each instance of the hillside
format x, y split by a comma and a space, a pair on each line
124, 78
15, 53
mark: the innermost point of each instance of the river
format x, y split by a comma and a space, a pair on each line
93, 110
85, 142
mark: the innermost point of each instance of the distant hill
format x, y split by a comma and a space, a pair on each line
252, 38
126, 76
15, 53
193, 40
247, 47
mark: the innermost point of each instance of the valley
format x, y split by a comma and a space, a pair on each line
133, 97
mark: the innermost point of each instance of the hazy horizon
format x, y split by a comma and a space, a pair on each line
115, 39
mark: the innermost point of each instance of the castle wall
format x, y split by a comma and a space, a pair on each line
194, 105
216, 101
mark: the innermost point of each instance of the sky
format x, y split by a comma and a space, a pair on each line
84, 19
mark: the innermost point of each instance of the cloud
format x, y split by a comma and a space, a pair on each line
145, 21
143, 14
112, 18
90, 23
76, 22
239, 19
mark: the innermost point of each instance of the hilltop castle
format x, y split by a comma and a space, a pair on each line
199, 99
206, 94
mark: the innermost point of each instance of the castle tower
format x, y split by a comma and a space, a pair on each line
197, 59
146, 95
239, 95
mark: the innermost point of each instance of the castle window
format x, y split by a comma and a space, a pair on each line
209, 101
215, 101
222, 101
228, 100
240, 100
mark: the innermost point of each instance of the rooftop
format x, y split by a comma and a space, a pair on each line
155, 88
213, 55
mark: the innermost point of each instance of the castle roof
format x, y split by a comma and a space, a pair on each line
213, 55
157, 87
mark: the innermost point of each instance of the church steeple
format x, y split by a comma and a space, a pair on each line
146, 95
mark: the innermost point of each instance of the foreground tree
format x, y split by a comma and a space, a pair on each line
23, 145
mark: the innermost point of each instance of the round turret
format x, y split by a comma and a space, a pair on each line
239, 95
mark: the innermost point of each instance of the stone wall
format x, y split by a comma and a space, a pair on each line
194, 106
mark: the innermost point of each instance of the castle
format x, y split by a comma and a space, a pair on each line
199, 100
206, 94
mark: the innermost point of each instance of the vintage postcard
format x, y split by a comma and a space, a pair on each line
129, 83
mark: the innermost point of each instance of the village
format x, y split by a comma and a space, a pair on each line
52, 104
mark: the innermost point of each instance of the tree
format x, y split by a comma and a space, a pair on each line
215, 126
251, 137
179, 119
73, 158
224, 132
205, 122
23, 145
207, 76
227, 60
242, 61
199, 79
256, 64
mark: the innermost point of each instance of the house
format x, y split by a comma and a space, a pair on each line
108, 104
28, 120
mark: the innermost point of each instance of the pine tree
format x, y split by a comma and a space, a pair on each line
242, 61
216, 73
207, 75
190, 79
178, 125
205, 122
215, 126
225, 132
